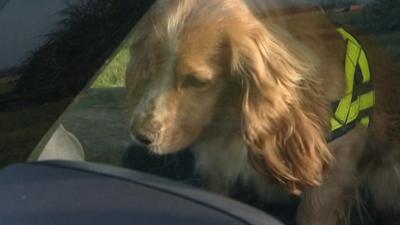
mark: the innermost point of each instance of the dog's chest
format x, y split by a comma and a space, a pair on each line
224, 163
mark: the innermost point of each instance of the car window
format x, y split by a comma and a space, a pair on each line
110, 82
98, 115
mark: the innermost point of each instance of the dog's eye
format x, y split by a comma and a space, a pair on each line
192, 81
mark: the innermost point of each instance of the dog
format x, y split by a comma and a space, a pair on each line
249, 85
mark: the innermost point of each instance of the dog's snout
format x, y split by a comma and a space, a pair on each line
147, 133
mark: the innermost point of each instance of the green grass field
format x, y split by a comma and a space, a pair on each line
113, 74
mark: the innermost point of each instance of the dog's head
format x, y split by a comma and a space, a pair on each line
194, 59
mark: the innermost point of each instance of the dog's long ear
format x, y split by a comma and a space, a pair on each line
285, 112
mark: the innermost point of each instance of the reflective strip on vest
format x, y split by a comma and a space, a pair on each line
355, 106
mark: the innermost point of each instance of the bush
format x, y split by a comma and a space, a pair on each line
90, 31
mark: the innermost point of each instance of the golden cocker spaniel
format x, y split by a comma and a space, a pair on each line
249, 85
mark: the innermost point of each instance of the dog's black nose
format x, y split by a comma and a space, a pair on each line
146, 132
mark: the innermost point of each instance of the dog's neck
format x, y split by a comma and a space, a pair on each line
307, 29
307, 23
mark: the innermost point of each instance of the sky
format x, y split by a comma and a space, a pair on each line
23, 25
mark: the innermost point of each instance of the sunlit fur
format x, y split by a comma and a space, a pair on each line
247, 84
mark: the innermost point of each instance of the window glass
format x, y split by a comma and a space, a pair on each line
260, 92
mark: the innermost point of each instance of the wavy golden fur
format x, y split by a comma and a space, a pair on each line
248, 84
284, 106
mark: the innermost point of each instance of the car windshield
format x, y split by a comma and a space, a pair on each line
169, 87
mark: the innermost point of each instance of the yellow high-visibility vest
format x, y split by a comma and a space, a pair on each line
356, 105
